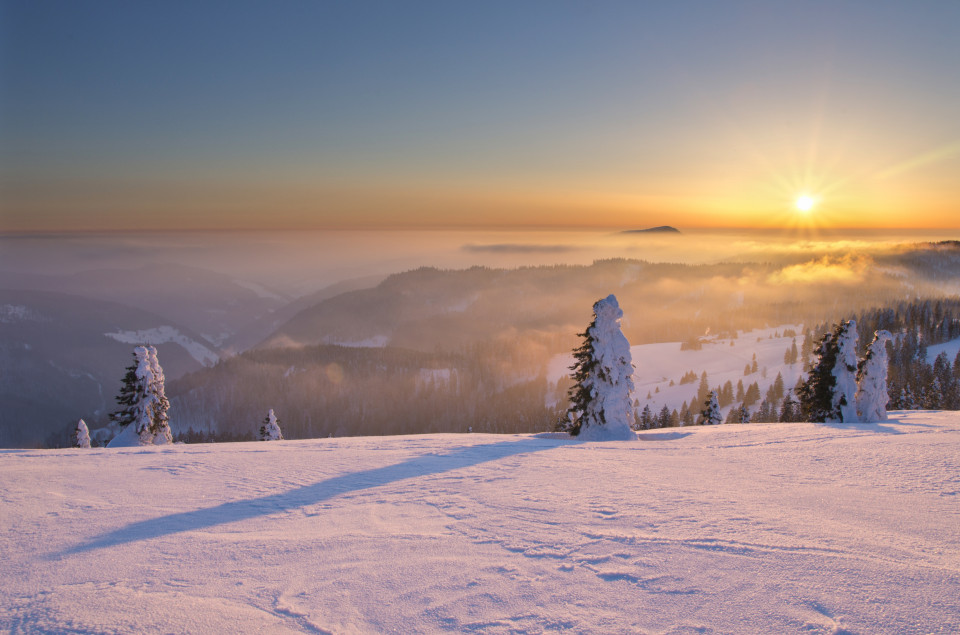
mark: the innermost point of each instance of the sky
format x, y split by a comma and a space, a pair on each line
358, 115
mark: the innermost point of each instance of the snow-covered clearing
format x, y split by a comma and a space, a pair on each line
761, 528
164, 334
656, 365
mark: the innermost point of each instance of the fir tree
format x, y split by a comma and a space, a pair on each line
270, 429
711, 410
81, 436
872, 395
143, 399
663, 419
603, 377
829, 393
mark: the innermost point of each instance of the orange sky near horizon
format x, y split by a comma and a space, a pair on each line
514, 115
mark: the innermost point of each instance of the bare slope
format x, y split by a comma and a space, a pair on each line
790, 528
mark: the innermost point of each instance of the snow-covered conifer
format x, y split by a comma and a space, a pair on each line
829, 393
711, 410
143, 402
845, 371
872, 394
270, 429
603, 378
81, 437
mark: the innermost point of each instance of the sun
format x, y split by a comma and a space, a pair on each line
805, 203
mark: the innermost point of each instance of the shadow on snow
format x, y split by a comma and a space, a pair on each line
310, 494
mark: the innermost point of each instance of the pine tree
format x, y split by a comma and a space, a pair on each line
872, 395
829, 394
753, 364
789, 412
603, 377
663, 419
845, 370
81, 436
143, 399
744, 414
646, 418
711, 410
752, 395
270, 429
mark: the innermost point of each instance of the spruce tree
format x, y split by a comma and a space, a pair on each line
143, 399
872, 394
829, 393
81, 436
603, 377
270, 429
711, 410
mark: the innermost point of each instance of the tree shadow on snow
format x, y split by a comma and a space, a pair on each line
234, 511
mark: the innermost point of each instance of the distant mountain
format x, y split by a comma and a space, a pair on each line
663, 229
62, 357
215, 305
267, 324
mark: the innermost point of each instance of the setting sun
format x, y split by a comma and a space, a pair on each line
805, 203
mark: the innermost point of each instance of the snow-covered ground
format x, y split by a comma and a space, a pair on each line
761, 528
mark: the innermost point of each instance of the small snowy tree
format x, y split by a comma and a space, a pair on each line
711, 410
872, 394
143, 402
81, 437
270, 430
603, 378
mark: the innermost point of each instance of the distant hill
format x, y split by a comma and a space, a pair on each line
662, 229
62, 357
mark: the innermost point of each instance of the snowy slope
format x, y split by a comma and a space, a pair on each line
656, 365
764, 528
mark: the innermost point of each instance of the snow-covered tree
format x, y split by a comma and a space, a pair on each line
603, 378
829, 393
845, 370
270, 429
143, 402
872, 394
81, 437
711, 410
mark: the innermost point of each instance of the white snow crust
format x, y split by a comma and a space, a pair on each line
163, 335
760, 528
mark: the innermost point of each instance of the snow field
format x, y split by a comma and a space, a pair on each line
760, 528
657, 364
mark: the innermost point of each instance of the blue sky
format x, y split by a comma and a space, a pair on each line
314, 114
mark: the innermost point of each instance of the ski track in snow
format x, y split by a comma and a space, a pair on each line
760, 528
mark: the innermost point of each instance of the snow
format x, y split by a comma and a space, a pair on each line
845, 372
12, 313
723, 360
760, 528
163, 335
872, 397
951, 348
377, 341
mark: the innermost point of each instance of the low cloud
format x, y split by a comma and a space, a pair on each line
512, 248
850, 269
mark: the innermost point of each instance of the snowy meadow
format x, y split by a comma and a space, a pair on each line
760, 528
